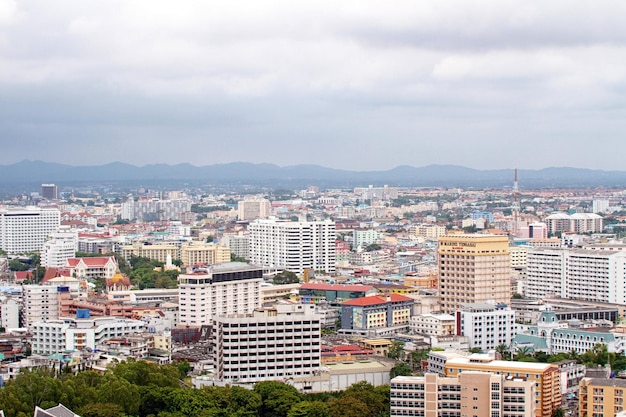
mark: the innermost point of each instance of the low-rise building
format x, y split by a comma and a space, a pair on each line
433, 324
376, 315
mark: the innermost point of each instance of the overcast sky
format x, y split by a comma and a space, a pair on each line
363, 85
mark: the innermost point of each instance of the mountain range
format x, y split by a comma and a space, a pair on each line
301, 175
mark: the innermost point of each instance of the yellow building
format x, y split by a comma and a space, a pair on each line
189, 253
601, 397
545, 376
194, 253
473, 269
156, 252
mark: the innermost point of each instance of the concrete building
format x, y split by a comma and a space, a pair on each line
546, 378
468, 394
486, 325
58, 248
24, 230
589, 275
152, 209
312, 292
259, 208
60, 335
228, 288
50, 191
189, 253
238, 244
364, 237
293, 246
552, 336
92, 268
433, 324
472, 269
9, 313
428, 231
376, 315
40, 303
577, 223
270, 344
601, 397
600, 206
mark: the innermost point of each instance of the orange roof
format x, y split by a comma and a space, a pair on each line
100, 261
377, 300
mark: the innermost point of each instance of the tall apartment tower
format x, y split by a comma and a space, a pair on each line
253, 209
58, 248
473, 269
25, 230
228, 288
270, 344
293, 246
50, 191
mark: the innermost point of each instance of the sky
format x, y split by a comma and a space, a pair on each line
359, 85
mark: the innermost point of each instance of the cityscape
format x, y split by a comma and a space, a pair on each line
312, 208
509, 301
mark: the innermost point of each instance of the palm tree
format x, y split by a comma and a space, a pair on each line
523, 352
503, 350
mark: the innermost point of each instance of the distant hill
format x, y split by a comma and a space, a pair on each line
293, 176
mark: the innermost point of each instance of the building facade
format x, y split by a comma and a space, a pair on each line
581, 274
293, 246
57, 336
486, 325
546, 378
253, 209
473, 269
467, 394
270, 344
376, 315
58, 248
229, 288
25, 230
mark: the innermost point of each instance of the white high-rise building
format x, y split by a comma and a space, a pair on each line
600, 206
486, 325
9, 313
40, 303
293, 246
581, 274
272, 344
151, 209
24, 230
253, 209
228, 288
58, 248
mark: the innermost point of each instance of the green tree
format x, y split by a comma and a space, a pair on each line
285, 277
504, 351
310, 409
101, 410
558, 412
400, 369
348, 406
235, 258
277, 398
396, 350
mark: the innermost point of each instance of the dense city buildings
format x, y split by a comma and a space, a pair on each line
472, 269
293, 246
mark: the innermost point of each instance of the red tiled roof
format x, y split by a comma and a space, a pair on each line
99, 261
336, 287
376, 300
22, 275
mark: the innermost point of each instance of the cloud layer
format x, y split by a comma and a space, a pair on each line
351, 84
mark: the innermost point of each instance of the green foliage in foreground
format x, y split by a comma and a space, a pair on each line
141, 389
